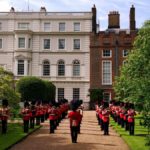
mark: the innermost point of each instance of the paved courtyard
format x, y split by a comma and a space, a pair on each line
91, 138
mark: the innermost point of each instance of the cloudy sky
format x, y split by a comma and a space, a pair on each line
103, 8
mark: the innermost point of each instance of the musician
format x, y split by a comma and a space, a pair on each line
74, 123
4, 115
131, 114
26, 113
33, 114
52, 118
80, 118
105, 118
38, 113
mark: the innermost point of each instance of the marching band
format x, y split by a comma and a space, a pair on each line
122, 113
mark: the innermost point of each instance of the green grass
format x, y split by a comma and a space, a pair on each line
14, 134
137, 141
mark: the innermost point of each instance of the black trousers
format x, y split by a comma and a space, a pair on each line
131, 128
79, 126
38, 120
32, 122
122, 122
126, 125
118, 120
26, 126
4, 126
74, 134
52, 126
106, 128
102, 125
42, 118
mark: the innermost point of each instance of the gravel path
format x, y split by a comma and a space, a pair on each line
91, 138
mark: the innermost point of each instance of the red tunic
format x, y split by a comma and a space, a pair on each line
4, 113
131, 114
105, 115
26, 114
74, 118
53, 114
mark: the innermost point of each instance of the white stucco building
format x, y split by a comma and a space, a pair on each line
50, 45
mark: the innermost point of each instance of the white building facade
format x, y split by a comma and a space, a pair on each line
54, 46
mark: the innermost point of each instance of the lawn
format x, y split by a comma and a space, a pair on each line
136, 142
14, 134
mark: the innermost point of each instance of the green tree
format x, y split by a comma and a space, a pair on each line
49, 92
134, 82
7, 90
31, 89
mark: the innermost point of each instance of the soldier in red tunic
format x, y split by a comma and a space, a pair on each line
33, 114
52, 118
74, 123
105, 118
131, 114
26, 113
4, 115
38, 113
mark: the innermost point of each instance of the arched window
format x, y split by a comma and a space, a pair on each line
61, 68
46, 68
76, 68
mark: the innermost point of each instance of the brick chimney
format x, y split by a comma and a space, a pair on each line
113, 19
132, 18
94, 25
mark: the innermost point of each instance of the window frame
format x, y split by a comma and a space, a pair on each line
110, 72
60, 71
76, 93
62, 26
24, 44
60, 93
47, 73
59, 46
76, 68
125, 52
74, 45
77, 29
47, 28
26, 27
49, 46
22, 64
104, 55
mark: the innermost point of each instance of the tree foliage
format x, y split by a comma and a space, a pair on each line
50, 92
133, 85
7, 90
35, 89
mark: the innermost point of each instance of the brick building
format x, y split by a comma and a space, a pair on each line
108, 51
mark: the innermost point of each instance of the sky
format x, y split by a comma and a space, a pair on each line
142, 8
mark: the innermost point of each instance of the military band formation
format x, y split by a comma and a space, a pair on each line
36, 113
122, 113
